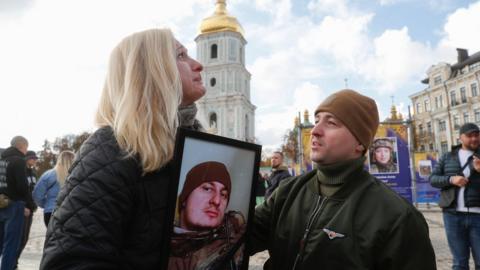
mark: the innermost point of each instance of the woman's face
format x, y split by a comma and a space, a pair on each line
382, 155
205, 207
189, 69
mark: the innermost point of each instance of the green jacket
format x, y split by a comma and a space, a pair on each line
364, 225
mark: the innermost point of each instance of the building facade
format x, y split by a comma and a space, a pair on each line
450, 99
226, 108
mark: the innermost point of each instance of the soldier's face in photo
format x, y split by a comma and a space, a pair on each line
382, 155
205, 207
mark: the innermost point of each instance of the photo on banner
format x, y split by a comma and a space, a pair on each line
213, 202
425, 168
424, 164
383, 156
388, 159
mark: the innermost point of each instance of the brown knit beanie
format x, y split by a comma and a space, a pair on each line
357, 112
205, 172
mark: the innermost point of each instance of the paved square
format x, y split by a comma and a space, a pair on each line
32, 254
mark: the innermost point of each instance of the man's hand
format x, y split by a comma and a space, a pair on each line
26, 212
476, 163
459, 181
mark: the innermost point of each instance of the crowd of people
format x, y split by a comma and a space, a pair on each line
18, 182
106, 206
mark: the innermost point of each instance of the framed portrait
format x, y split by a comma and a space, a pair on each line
425, 168
383, 156
212, 203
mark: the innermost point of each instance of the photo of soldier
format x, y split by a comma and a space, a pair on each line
383, 158
206, 235
425, 168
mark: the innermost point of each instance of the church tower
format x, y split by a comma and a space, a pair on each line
226, 109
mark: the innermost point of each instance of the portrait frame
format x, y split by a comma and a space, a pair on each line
241, 159
425, 168
394, 156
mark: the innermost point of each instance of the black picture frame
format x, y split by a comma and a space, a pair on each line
193, 151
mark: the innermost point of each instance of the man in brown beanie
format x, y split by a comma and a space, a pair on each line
206, 236
338, 216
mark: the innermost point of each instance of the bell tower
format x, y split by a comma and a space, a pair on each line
226, 108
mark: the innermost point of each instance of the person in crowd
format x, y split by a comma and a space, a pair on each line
31, 159
382, 158
16, 200
46, 191
111, 214
338, 216
206, 236
457, 175
261, 188
279, 172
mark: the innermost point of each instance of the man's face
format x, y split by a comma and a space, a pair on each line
23, 147
382, 155
470, 141
31, 162
331, 141
205, 207
276, 160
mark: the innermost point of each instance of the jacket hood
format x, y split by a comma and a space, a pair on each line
12, 152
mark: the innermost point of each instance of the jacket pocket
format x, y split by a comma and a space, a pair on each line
447, 197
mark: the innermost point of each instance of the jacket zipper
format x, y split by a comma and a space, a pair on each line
316, 211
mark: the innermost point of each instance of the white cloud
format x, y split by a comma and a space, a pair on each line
342, 38
462, 28
273, 123
397, 59
337, 7
53, 63
279, 9
54, 58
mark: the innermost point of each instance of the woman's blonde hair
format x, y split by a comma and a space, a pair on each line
64, 162
141, 96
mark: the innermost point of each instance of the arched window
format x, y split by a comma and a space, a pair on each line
213, 120
213, 82
213, 51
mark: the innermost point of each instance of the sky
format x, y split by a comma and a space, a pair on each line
54, 54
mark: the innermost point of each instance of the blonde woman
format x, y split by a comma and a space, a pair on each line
48, 186
111, 213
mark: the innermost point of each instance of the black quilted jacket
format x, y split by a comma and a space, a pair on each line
447, 166
108, 216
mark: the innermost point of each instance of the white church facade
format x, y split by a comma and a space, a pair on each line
226, 108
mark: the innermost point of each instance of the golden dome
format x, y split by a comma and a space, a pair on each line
220, 21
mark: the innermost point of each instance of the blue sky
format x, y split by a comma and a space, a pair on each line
53, 54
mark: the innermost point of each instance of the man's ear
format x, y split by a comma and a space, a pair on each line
360, 148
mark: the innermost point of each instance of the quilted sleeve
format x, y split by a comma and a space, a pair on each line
87, 229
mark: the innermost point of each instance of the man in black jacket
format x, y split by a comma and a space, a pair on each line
13, 184
31, 159
338, 216
279, 172
457, 174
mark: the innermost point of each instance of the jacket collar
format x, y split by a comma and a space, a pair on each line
358, 180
